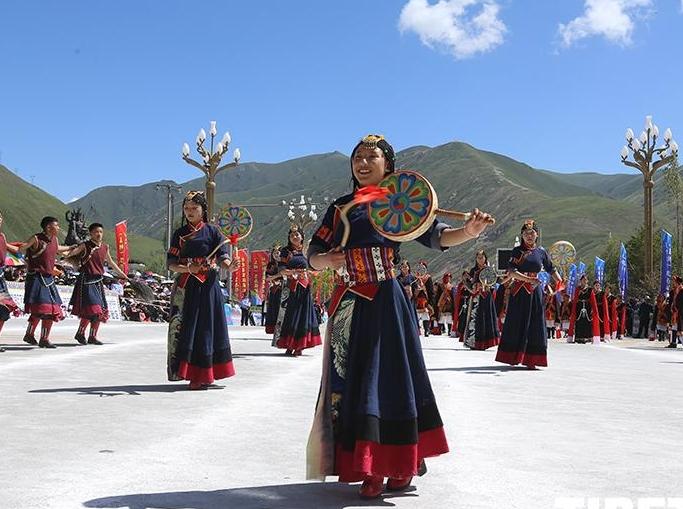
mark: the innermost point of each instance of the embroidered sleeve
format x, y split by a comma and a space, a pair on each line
515, 259
322, 238
174, 251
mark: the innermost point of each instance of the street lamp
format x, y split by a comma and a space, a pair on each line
643, 151
170, 189
211, 160
303, 211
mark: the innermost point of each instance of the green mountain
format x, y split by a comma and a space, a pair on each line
586, 209
23, 205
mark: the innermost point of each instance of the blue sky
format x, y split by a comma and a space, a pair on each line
98, 93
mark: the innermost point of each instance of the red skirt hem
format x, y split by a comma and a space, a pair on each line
198, 375
399, 461
529, 360
90, 311
54, 310
483, 345
292, 343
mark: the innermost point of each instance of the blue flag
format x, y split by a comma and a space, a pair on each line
622, 272
599, 269
572, 279
666, 263
545, 278
581, 269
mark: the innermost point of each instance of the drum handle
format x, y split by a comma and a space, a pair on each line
462, 216
344, 217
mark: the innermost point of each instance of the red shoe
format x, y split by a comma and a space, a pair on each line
398, 483
372, 487
197, 386
297, 353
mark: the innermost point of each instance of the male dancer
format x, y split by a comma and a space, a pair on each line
41, 298
88, 301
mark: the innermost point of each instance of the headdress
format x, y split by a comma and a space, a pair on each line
373, 141
192, 194
529, 224
199, 198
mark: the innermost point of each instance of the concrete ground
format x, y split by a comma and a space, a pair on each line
99, 426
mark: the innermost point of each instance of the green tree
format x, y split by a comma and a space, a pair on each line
674, 186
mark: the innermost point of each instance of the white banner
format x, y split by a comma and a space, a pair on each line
16, 290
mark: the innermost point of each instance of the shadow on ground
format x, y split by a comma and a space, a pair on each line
483, 369
287, 496
280, 354
120, 390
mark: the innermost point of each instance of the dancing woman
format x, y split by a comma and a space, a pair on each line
461, 305
299, 329
524, 338
445, 299
198, 343
376, 415
274, 290
603, 311
584, 322
481, 329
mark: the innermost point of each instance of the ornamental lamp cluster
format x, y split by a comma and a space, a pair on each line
211, 159
302, 212
644, 146
647, 158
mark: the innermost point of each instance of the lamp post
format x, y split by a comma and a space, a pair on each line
170, 189
211, 161
644, 151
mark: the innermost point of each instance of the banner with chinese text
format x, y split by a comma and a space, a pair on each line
121, 231
257, 272
240, 278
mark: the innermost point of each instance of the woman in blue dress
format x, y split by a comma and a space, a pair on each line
299, 329
274, 289
198, 343
376, 415
524, 339
481, 330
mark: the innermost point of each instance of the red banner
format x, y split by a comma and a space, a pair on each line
257, 272
121, 231
240, 278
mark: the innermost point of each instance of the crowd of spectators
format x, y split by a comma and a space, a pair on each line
145, 298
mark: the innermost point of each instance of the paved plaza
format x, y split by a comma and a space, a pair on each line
99, 426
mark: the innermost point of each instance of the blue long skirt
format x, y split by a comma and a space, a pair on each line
376, 414
524, 339
300, 328
274, 295
199, 347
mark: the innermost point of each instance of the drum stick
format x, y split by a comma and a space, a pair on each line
462, 216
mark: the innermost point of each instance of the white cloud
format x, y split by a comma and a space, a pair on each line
74, 199
611, 19
462, 27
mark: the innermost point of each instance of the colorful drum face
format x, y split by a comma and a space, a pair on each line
488, 276
562, 253
408, 210
235, 221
